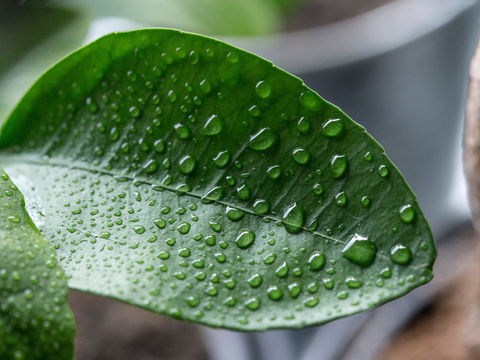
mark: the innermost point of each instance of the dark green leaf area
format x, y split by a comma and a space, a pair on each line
35, 320
145, 144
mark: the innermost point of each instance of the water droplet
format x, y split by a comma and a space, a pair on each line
401, 254
338, 166
342, 295
192, 301
274, 293
301, 156
311, 301
159, 146
210, 240
368, 156
270, 258
263, 89
318, 189
328, 283
205, 86
252, 304
386, 273
232, 57
151, 166
263, 140
294, 218
360, 251
310, 100
282, 270
163, 255
184, 252
294, 290
187, 165
255, 281
304, 125
213, 126
261, 206
274, 172
244, 193
139, 229
316, 261
92, 106
183, 132
170, 241
341, 199
245, 238
199, 264
234, 214
183, 228
221, 258
383, 171
222, 159
407, 213
215, 226
366, 201
255, 111
211, 291
353, 283
134, 111
231, 181
333, 128
152, 238
14, 219
114, 134
229, 301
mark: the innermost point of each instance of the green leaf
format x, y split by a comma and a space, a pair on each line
197, 180
35, 320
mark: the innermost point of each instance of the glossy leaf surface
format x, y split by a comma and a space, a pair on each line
186, 176
35, 320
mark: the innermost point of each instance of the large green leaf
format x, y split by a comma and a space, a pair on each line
35, 320
194, 179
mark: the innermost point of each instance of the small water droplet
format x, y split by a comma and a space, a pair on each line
311, 301
263, 89
245, 238
252, 304
212, 195
341, 199
261, 206
282, 270
366, 201
134, 111
159, 146
316, 261
301, 156
255, 111
338, 166
270, 258
310, 100
255, 281
274, 293
92, 106
205, 86
183, 228
14, 219
184, 252
139, 229
231, 181
263, 140
318, 189
333, 128
244, 193
234, 214
401, 254
151, 166
353, 283
215, 226
213, 126
368, 156
187, 165
163, 255
183, 132
407, 213
210, 240
294, 218
222, 159
304, 125
383, 171
295, 290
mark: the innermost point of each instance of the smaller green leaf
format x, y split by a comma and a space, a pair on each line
35, 320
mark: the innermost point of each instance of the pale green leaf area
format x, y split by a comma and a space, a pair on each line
194, 179
35, 320
211, 17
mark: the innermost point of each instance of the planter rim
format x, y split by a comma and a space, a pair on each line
367, 35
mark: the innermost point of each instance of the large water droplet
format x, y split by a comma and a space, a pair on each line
184, 252
252, 304
301, 156
401, 254
353, 283
183, 228
294, 290
274, 172
282, 270
294, 218
159, 146
245, 238
151, 166
338, 166
187, 165
213, 126
263, 140
255, 281
407, 213
244, 193
139, 229
360, 251
333, 128
341, 199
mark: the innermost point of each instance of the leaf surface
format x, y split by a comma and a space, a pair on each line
35, 320
189, 177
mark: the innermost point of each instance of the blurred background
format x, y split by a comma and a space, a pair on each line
397, 67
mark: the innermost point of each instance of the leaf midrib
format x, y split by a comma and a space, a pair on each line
36, 161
